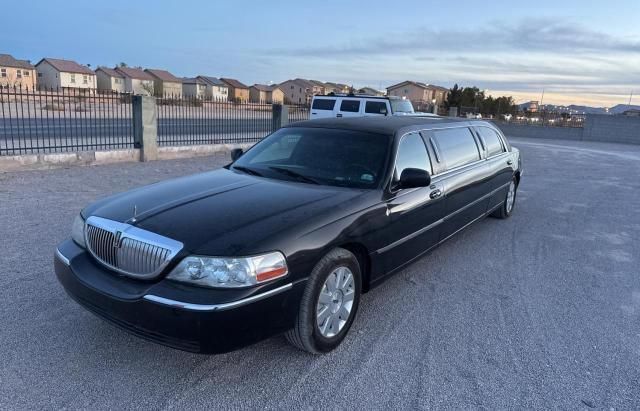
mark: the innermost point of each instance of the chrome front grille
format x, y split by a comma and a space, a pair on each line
127, 249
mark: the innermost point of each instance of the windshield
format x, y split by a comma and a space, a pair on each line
319, 156
401, 106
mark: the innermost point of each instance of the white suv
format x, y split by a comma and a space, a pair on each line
343, 105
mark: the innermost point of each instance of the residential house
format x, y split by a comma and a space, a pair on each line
16, 73
237, 91
57, 73
165, 83
262, 93
419, 93
336, 88
137, 81
216, 89
194, 87
318, 87
109, 79
370, 91
299, 91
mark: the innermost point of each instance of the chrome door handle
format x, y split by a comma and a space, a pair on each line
509, 162
338, 115
435, 194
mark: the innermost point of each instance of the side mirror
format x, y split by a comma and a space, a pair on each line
414, 177
236, 153
384, 111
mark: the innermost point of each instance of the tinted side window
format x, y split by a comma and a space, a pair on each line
457, 146
375, 107
491, 138
412, 153
351, 106
323, 104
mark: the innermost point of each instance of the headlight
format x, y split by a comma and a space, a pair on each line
223, 272
77, 231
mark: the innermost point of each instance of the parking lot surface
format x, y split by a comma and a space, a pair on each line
539, 310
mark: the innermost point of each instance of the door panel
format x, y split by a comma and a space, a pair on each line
466, 197
414, 214
414, 225
499, 160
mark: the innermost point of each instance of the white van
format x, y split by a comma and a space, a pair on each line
350, 105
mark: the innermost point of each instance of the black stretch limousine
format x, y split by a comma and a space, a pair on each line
288, 236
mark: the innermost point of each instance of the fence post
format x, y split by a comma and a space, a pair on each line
280, 116
145, 127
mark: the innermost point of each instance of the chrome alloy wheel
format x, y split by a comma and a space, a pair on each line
335, 302
511, 196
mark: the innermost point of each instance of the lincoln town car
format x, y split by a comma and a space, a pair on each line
288, 236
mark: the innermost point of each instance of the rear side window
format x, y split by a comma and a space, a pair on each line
412, 153
351, 106
491, 138
323, 104
457, 146
375, 107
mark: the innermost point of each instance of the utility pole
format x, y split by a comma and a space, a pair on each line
630, 97
541, 99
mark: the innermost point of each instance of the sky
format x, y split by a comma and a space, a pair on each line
578, 52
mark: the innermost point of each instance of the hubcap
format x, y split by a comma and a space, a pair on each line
335, 302
511, 196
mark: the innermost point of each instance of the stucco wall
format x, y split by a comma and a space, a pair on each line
47, 76
27, 79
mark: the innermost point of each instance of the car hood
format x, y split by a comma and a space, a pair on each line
224, 212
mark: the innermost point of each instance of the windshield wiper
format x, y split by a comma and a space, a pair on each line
294, 174
248, 170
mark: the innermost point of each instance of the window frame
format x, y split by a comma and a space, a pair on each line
333, 107
384, 103
3, 72
503, 144
439, 164
392, 170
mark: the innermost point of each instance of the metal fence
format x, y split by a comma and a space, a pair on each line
63, 120
298, 112
190, 120
544, 118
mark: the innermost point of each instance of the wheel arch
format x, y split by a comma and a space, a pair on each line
364, 260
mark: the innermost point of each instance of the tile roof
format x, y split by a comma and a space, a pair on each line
193, 80
67, 66
7, 60
233, 82
163, 75
110, 72
212, 81
134, 73
264, 87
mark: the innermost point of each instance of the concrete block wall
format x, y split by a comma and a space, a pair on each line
597, 127
554, 133
614, 129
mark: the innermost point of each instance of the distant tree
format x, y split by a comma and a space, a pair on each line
469, 97
122, 64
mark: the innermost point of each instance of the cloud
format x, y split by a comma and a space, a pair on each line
531, 35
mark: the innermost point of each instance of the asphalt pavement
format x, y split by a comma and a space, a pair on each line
541, 310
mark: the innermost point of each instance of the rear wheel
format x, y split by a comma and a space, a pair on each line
329, 303
509, 203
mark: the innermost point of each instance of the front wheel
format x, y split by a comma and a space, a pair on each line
329, 303
509, 202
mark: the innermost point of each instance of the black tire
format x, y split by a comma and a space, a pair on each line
504, 211
306, 335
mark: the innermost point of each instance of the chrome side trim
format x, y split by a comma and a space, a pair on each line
62, 257
216, 307
410, 236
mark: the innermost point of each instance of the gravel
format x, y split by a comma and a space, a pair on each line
540, 311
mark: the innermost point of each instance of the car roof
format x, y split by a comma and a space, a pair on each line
387, 125
354, 96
